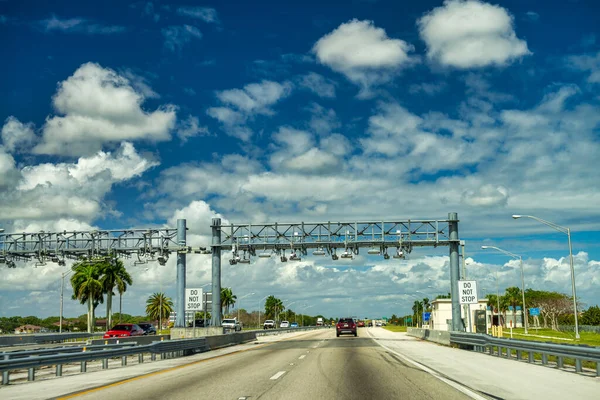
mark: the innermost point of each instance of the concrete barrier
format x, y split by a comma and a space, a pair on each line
216, 342
189, 333
440, 337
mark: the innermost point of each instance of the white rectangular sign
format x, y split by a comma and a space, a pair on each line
467, 292
193, 299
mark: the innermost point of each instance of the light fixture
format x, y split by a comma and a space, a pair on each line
283, 258
162, 260
386, 256
347, 254
232, 261
265, 254
319, 252
11, 264
334, 255
399, 253
244, 261
54, 259
294, 256
61, 263
374, 251
516, 216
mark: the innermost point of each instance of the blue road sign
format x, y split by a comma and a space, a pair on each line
426, 316
534, 312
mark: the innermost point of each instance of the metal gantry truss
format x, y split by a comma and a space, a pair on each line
143, 244
337, 239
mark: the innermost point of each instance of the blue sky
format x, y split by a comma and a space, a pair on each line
133, 114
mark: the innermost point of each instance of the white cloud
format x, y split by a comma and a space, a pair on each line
487, 196
322, 121
363, 53
317, 84
99, 106
587, 63
470, 34
190, 128
70, 191
205, 14
178, 36
78, 25
242, 105
17, 135
8, 173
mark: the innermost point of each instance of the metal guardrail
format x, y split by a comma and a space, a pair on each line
11, 355
166, 349
485, 343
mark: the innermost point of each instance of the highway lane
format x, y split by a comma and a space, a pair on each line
316, 365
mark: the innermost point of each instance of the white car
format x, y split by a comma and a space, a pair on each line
232, 324
284, 324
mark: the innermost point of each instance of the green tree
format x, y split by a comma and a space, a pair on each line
273, 305
591, 316
159, 307
114, 275
87, 287
227, 300
443, 296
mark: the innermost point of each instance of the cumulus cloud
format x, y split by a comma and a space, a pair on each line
178, 36
241, 105
317, 84
100, 106
486, 196
589, 63
363, 53
70, 190
17, 135
470, 34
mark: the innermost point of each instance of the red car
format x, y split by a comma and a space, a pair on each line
345, 325
124, 330
360, 324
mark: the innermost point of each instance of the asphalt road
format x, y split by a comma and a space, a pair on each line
316, 365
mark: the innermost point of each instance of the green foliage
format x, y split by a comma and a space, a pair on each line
273, 305
443, 296
227, 300
159, 307
87, 287
591, 316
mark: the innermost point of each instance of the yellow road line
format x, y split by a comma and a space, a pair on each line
162, 371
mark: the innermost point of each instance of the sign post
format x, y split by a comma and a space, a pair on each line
467, 291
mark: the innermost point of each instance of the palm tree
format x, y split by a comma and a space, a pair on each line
227, 300
417, 309
122, 288
159, 307
87, 287
114, 274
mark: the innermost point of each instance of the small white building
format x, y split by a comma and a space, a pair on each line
441, 316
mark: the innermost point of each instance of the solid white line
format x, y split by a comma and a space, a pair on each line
455, 385
277, 375
302, 356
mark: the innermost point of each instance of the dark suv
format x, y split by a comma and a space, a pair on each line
345, 326
148, 328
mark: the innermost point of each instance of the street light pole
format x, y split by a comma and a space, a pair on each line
249, 294
508, 253
567, 231
62, 289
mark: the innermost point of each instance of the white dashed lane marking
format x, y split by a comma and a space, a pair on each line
277, 375
301, 357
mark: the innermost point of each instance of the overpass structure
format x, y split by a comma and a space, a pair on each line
288, 241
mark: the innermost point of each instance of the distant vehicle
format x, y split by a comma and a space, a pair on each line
199, 323
294, 325
345, 326
124, 330
377, 323
232, 324
319, 321
269, 324
360, 324
284, 324
148, 328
